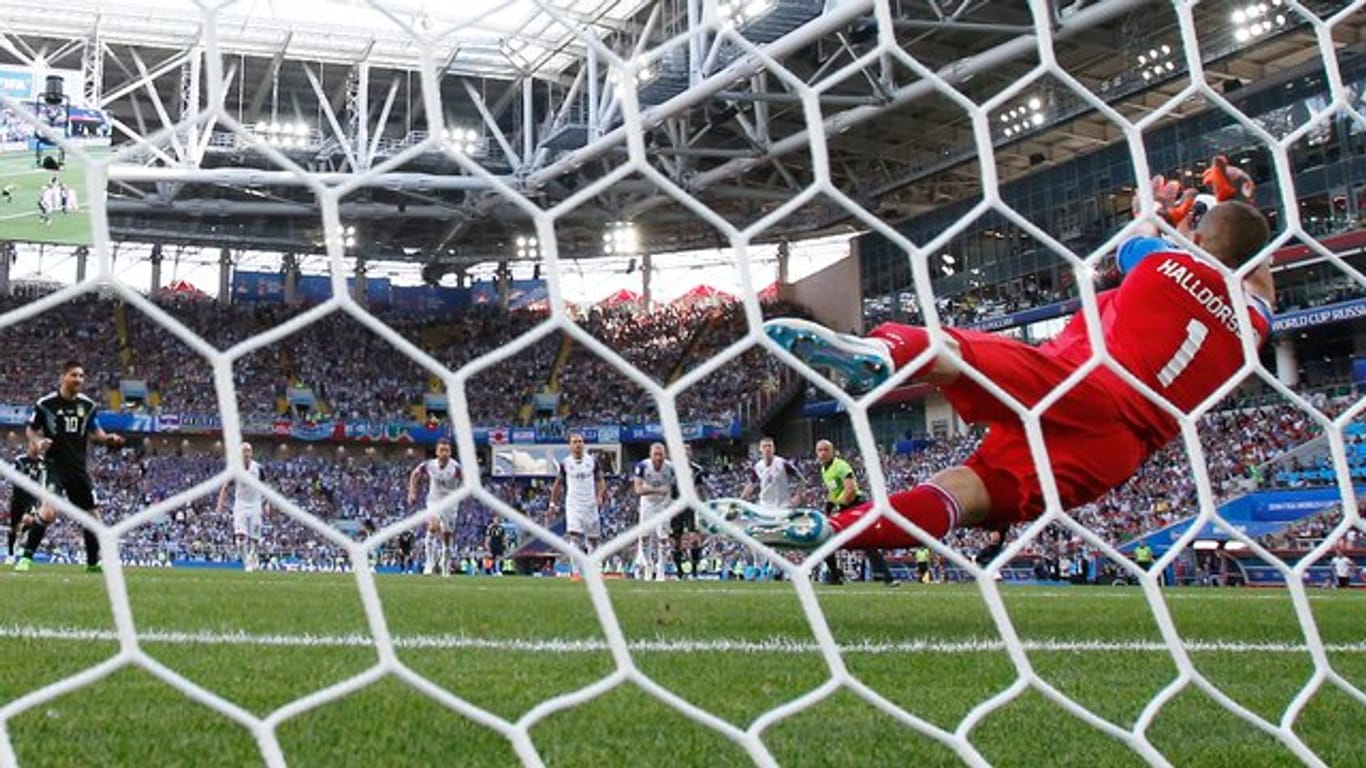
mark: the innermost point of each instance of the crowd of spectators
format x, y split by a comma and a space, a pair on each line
665, 344
354, 373
35, 349
358, 374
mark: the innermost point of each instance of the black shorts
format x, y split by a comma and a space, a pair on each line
22, 505
496, 552
683, 522
75, 486
922, 568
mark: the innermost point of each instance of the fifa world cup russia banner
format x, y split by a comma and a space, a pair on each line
1333, 313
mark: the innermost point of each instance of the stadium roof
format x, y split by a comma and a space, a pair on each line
472, 37
720, 125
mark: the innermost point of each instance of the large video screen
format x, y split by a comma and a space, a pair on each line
43, 187
544, 460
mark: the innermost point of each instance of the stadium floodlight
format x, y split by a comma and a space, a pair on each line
1022, 117
527, 247
1156, 62
465, 141
1257, 19
349, 236
620, 239
283, 135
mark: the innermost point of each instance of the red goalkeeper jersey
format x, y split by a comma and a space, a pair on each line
1173, 325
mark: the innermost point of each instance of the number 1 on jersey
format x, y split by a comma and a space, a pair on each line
1196, 333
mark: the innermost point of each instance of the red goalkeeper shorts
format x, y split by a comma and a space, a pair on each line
1090, 447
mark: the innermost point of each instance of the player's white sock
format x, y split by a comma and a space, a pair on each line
429, 555
443, 559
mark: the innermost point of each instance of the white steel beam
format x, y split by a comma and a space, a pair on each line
383, 120
150, 87
331, 115
491, 123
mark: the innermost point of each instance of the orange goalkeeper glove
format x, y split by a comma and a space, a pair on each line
1173, 201
1227, 182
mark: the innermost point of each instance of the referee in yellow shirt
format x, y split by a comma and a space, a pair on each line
841, 492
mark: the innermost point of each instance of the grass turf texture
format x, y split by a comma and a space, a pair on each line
19, 220
736, 650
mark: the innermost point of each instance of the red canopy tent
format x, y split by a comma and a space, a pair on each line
181, 289
623, 296
769, 294
704, 294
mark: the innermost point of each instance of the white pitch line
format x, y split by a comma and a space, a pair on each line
772, 645
761, 589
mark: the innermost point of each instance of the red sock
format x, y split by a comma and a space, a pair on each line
927, 505
904, 342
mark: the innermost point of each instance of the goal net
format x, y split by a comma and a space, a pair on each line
629, 99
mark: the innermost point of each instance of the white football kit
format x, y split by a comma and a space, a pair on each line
664, 477
247, 506
580, 478
774, 481
442, 481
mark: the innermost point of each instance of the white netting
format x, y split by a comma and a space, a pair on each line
329, 191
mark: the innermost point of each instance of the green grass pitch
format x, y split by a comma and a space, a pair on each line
734, 649
19, 220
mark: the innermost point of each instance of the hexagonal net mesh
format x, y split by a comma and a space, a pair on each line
748, 57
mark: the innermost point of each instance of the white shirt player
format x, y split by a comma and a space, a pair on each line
774, 477
580, 482
655, 480
442, 479
1343, 567
248, 503
248, 497
652, 477
581, 478
51, 198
